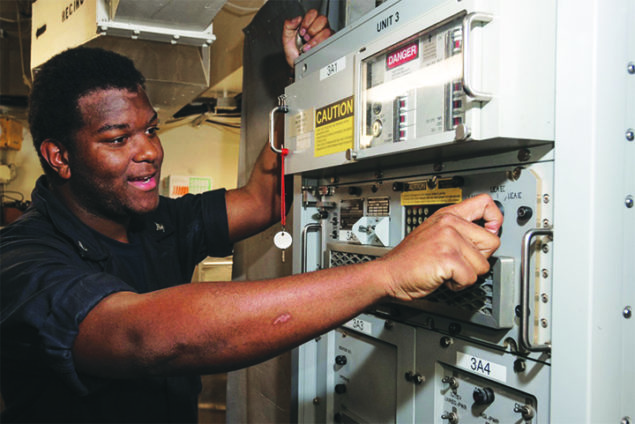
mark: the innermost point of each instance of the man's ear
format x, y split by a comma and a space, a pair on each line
56, 155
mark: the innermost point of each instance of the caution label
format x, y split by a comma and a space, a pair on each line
434, 196
334, 127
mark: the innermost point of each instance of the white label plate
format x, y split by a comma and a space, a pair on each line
481, 366
360, 325
333, 68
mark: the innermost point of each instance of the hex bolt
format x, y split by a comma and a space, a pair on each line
544, 297
520, 365
544, 323
545, 199
630, 134
545, 248
454, 328
627, 312
545, 273
546, 223
446, 342
524, 155
415, 378
628, 201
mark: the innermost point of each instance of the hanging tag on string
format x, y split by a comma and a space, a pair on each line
283, 239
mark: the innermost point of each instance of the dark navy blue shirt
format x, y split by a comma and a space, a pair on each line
54, 270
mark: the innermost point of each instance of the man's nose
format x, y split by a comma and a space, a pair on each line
148, 149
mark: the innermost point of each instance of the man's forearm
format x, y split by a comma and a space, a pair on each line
214, 327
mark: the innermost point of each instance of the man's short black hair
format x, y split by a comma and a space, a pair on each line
62, 80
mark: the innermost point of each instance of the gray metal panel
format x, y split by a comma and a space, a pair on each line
510, 114
594, 245
194, 15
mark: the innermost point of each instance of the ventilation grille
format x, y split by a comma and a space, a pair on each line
475, 299
346, 258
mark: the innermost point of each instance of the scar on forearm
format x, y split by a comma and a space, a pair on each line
282, 318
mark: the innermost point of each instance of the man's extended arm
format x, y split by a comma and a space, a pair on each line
205, 328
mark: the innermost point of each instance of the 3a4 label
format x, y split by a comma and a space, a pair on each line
481, 366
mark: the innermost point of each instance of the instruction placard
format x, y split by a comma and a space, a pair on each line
334, 127
433, 196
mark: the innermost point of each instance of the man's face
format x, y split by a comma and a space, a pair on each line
116, 163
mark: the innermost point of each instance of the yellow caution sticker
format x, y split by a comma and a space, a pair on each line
334, 127
434, 196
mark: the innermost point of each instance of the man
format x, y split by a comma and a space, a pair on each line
97, 321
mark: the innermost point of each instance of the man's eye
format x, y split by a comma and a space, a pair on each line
152, 130
118, 140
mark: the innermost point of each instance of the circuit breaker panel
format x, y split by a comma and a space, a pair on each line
417, 106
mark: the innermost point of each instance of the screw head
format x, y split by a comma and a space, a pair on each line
630, 68
628, 201
627, 312
630, 134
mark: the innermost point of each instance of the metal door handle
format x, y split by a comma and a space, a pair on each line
468, 86
309, 227
282, 107
524, 289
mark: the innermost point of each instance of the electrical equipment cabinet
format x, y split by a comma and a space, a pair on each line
419, 105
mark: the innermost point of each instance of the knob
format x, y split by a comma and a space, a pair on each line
340, 389
524, 213
483, 396
340, 360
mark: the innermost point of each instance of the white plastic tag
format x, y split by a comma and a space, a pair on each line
282, 240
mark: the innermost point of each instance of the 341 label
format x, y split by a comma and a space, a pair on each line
481, 366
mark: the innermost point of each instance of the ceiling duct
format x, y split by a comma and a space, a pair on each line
168, 40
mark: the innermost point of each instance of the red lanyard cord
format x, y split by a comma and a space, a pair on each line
283, 203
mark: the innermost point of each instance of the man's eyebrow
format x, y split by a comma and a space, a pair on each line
108, 127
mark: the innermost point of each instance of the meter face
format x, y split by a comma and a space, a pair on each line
413, 88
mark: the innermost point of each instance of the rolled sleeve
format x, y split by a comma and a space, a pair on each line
43, 304
69, 306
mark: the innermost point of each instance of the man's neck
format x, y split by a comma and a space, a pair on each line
116, 229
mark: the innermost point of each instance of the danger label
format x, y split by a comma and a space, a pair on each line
334, 127
435, 196
403, 55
